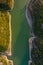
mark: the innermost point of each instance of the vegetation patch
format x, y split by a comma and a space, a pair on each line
6, 4
4, 31
36, 9
37, 51
3, 61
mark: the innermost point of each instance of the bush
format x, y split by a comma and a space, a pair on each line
3, 60
36, 9
37, 51
4, 31
6, 4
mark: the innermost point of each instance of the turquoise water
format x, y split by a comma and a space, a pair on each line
20, 34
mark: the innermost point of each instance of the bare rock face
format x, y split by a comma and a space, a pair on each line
35, 14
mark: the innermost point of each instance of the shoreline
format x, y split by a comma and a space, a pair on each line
8, 51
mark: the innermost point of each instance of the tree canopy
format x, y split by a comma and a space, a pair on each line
4, 31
